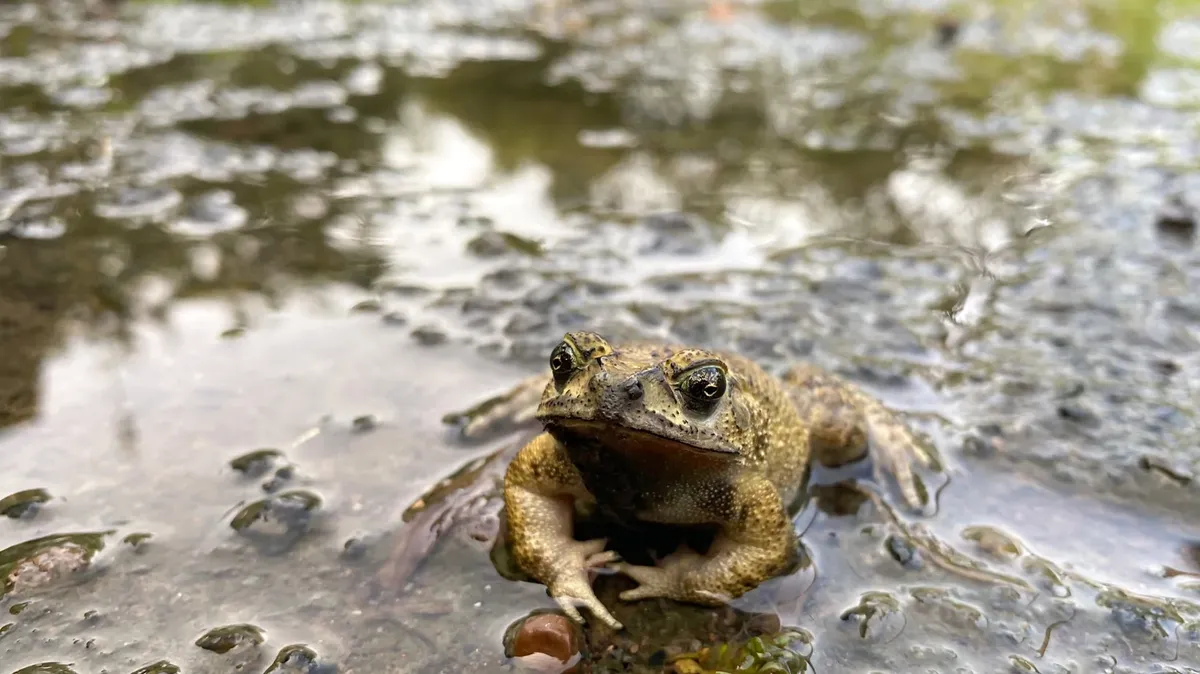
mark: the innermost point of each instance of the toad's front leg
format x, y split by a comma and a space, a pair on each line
756, 542
540, 487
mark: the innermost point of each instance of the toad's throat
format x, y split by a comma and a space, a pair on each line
625, 440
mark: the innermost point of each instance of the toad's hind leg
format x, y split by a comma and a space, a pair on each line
845, 423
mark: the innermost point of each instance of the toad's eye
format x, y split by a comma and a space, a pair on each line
704, 385
563, 362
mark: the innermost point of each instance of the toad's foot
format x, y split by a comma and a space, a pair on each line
895, 449
846, 424
571, 586
516, 406
669, 580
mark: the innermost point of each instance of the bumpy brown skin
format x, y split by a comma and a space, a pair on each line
676, 435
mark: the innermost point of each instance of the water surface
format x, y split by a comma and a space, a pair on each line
319, 227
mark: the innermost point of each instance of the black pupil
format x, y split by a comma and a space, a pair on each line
707, 384
559, 361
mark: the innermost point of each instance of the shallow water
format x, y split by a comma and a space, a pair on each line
318, 227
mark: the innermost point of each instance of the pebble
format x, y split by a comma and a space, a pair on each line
547, 642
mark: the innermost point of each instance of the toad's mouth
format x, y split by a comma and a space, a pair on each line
624, 439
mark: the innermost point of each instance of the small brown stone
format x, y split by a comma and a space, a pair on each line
47, 566
547, 634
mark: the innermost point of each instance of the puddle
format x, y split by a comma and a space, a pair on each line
250, 256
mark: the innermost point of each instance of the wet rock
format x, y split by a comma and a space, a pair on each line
994, 542
23, 504
1176, 221
980, 447
256, 463
395, 318
523, 323
38, 563
673, 233
365, 423
224, 639
137, 540
283, 475
878, 615
947, 30
1175, 473
497, 244
428, 335
160, 667
297, 659
366, 307
903, 551
545, 642
1046, 576
952, 612
277, 522
354, 548
46, 668
1142, 618
403, 290
1166, 367
1078, 414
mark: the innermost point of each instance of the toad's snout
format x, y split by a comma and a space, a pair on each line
619, 395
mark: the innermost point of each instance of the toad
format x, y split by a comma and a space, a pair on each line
673, 435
